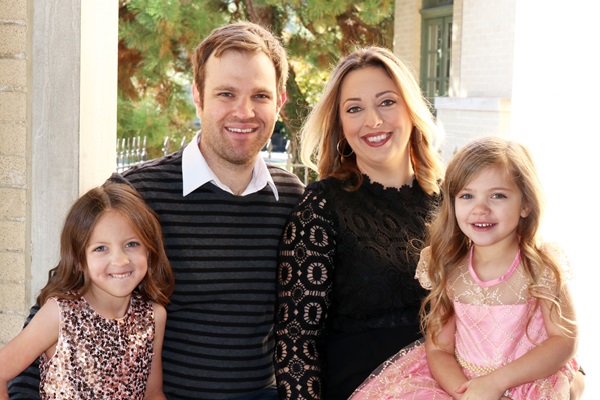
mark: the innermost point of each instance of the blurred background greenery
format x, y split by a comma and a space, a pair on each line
157, 37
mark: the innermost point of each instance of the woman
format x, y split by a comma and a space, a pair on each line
346, 290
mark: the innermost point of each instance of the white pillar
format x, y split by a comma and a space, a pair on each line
73, 115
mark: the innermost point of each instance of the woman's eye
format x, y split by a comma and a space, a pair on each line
354, 109
388, 102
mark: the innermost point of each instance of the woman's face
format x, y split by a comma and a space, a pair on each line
375, 121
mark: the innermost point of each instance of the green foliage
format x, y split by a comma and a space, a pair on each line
147, 118
157, 37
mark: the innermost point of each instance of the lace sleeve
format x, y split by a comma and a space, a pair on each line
304, 279
421, 273
557, 252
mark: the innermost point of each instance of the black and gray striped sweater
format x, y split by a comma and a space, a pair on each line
223, 250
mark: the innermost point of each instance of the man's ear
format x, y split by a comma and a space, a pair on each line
282, 100
196, 97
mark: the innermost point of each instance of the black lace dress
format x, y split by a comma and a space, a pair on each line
347, 294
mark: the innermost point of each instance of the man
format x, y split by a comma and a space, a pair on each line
222, 210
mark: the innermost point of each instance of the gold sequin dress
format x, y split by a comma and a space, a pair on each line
98, 357
491, 331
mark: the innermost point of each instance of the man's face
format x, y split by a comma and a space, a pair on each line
239, 107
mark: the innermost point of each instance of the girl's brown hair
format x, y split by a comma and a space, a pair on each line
69, 276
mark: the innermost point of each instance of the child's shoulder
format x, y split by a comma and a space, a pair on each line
141, 302
555, 251
560, 257
159, 310
422, 268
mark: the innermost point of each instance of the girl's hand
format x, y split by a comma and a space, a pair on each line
481, 388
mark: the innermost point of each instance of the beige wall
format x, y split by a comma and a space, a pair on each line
14, 170
486, 40
407, 32
57, 132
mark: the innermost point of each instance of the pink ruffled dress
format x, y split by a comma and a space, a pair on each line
491, 322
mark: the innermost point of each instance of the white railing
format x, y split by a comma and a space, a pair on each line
131, 152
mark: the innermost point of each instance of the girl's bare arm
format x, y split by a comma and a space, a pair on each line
154, 386
40, 335
442, 362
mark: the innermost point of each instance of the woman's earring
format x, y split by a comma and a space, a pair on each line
340, 152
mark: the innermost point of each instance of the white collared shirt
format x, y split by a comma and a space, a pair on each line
196, 172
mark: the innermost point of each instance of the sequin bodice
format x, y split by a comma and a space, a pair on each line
98, 357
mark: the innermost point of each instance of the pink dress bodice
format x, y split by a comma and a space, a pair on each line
496, 323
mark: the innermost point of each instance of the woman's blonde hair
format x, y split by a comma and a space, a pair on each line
323, 130
450, 246
68, 278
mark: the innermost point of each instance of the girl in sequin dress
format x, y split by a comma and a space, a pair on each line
499, 319
99, 332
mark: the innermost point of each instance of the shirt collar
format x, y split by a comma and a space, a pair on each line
196, 172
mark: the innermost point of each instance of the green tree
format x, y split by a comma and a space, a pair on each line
157, 37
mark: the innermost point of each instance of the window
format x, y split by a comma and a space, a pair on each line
436, 46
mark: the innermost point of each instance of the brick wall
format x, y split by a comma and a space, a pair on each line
407, 32
487, 35
13, 167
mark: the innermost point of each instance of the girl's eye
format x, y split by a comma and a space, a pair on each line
498, 196
132, 244
100, 248
465, 196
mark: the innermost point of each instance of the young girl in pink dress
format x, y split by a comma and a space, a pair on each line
101, 326
499, 319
